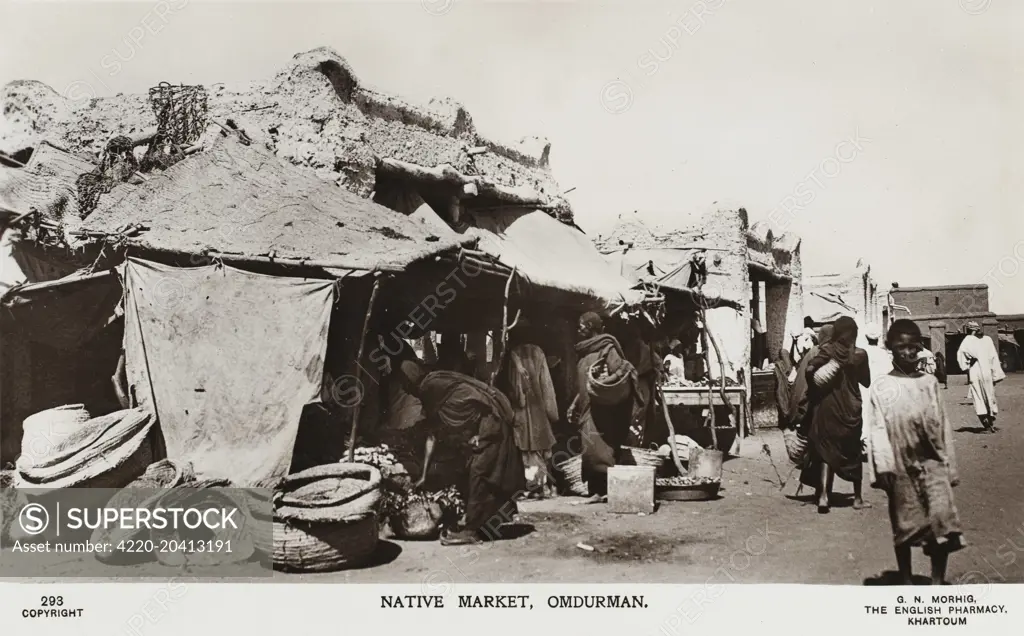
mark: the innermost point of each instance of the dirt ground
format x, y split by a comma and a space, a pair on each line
756, 532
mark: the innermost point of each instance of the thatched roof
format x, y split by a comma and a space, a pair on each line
315, 113
242, 202
46, 183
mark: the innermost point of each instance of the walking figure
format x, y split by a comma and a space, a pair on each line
910, 456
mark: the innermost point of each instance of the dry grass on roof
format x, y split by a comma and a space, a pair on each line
46, 183
243, 201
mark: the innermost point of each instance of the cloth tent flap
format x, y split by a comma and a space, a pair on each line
226, 359
551, 254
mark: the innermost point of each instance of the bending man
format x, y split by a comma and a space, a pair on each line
480, 412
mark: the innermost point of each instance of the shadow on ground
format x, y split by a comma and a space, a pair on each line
511, 531
386, 552
890, 577
977, 430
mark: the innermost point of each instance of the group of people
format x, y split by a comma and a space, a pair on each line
843, 407
508, 430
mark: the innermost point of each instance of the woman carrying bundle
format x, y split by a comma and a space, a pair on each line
480, 412
834, 376
606, 428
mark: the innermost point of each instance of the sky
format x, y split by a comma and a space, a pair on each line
885, 131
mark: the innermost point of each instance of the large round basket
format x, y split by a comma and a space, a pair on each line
328, 493
261, 510
572, 476
108, 452
120, 475
301, 546
607, 394
44, 431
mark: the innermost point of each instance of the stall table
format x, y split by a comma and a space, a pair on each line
698, 396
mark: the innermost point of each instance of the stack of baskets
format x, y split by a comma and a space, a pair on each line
65, 448
325, 518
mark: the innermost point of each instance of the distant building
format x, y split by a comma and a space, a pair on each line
1011, 322
942, 312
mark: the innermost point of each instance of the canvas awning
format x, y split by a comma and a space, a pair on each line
1008, 339
551, 254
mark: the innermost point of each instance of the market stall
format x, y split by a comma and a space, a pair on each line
696, 396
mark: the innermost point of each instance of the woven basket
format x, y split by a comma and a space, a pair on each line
158, 476
634, 456
324, 547
113, 475
43, 432
329, 493
164, 474
572, 475
103, 445
607, 394
240, 538
796, 446
827, 373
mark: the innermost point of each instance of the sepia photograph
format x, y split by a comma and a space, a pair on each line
440, 293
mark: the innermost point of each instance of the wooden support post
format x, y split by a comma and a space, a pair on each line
504, 328
704, 334
359, 369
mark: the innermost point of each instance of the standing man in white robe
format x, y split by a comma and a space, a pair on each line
978, 355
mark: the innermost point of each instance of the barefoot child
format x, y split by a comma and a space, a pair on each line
910, 456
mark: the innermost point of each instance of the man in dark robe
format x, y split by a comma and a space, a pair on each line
455, 401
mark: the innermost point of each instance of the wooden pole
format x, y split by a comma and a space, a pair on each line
721, 365
359, 368
711, 385
671, 434
504, 328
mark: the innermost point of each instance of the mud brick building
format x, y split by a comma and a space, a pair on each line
941, 312
852, 293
